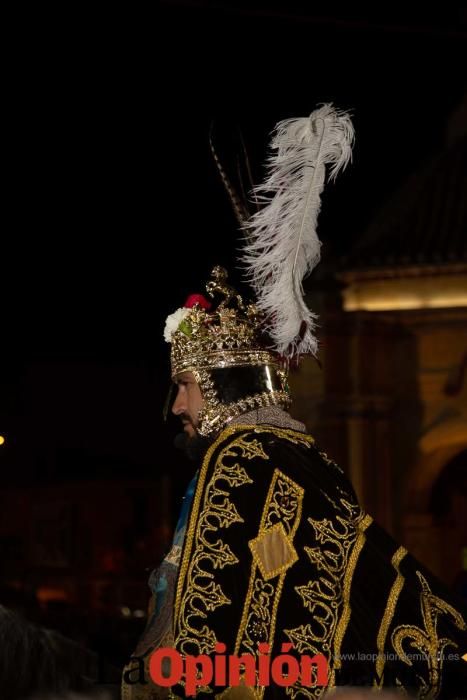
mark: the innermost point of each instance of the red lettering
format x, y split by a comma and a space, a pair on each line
155, 667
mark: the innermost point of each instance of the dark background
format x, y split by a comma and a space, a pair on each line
113, 210
113, 207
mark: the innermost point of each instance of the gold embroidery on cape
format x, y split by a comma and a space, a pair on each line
273, 552
205, 551
345, 617
195, 550
427, 640
280, 518
386, 620
339, 544
283, 505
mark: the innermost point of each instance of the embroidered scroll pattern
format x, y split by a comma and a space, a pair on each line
282, 509
426, 640
327, 596
202, 594
388, 615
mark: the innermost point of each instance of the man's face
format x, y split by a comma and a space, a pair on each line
188, 402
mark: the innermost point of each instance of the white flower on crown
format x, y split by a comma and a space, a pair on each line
173, 321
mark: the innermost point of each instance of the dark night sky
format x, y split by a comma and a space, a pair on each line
113, 209
111, 185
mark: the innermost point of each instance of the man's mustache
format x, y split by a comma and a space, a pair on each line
185, 418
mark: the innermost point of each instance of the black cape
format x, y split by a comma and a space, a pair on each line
278, 550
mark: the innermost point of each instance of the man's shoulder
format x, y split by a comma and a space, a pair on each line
281, 446
294, 453
271, 436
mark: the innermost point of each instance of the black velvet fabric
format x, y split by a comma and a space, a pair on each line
351, 594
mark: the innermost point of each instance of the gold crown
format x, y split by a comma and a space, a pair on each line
204, 342
229, 336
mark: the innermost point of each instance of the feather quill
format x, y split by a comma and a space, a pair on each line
239, 207
283, 246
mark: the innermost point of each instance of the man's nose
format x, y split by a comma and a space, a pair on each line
179, 405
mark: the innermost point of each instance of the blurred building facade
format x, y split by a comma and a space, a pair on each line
390, 401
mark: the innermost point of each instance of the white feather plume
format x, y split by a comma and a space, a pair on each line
284, 247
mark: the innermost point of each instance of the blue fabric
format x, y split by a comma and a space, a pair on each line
160, 581
185, 509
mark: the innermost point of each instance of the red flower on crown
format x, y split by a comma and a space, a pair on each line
197, 299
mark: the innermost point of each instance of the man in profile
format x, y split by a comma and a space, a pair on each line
272, 549
272, 546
